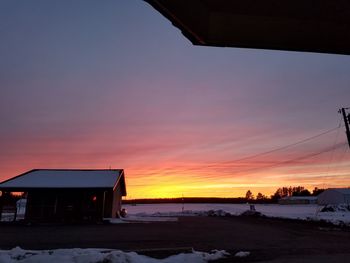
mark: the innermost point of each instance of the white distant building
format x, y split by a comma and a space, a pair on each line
297, 200
334, 196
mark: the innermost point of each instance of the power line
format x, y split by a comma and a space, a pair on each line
307, 156
335, 141
343, 153
280, 148
271, 151
325, 150
339, 145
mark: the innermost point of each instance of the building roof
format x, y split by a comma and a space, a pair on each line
345, 191
66, 178
312, 26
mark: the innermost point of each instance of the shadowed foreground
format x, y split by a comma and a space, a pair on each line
267, 239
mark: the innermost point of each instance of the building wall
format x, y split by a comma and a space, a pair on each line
347, 199
64, 205
108, 204
296, 201
117, 204
331, 197
113, 202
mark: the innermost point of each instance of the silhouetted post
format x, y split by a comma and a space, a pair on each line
183, 203
1, 204
346, 121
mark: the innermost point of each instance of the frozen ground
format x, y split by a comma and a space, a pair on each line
78, 255
304, 212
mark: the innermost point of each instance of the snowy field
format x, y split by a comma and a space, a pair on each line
78, 255
304, 212
169, 212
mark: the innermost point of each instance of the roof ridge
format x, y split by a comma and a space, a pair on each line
119, 171
73, 169
65, 178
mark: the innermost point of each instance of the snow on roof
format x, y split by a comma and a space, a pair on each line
47, 178
345, 191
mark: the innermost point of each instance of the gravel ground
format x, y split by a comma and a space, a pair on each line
268, 239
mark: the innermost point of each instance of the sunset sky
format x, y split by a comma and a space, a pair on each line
112, 84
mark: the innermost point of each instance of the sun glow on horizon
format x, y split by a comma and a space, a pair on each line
115, 85
190, 185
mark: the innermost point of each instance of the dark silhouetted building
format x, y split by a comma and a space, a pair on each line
312, 26
68, 195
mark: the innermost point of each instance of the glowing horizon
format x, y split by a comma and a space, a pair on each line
114, 84
217, 179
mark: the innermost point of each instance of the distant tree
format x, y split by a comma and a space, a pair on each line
305, 192
300, 191
282, 192
296, 190
249, 195
317, 191
286, 191
290, 191
277, 195
260, 197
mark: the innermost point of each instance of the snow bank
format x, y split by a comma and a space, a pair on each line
341, 219
336, 214
336, 208
141, 219
78, 255
242, 254
219, 212
134, 218
7, 217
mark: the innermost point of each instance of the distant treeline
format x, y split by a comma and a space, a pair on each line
249, 197
236, 200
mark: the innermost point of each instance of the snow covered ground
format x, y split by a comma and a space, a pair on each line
304, 212
141, 219
78, 255
9, 217
145, 213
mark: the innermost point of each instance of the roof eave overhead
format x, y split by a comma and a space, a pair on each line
309, 25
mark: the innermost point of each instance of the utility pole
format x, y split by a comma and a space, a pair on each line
346, 121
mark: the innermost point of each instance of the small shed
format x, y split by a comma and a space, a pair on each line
334, 196
66, 195
297, 200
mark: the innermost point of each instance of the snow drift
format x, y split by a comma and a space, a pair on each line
78, 255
